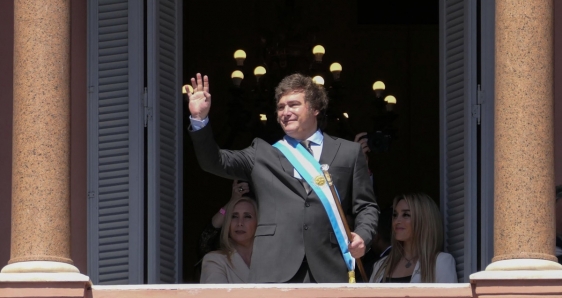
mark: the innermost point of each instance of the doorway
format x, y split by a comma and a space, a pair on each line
390, 42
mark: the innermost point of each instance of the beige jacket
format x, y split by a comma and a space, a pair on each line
216, 269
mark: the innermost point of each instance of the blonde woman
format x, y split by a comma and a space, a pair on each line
417, 238
231, 264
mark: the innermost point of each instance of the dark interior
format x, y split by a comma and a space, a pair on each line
391, 41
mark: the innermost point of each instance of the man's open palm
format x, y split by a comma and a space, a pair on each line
200, 100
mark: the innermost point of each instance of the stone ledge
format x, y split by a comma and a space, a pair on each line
517, 275
519, 283
43, 289
44, 277
284, 290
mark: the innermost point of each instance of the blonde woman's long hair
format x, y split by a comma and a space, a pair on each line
227, 247
427, 236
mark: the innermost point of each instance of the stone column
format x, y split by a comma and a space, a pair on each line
41, 138
524, 231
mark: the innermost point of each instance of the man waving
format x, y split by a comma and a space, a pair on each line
295, 240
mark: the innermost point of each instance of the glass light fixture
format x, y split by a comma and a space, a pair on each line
318, 52
336, 69
346, 115
378, 87
184, 90
318, 80
259, 72
390, 102
240, 56
390, 99
237, 77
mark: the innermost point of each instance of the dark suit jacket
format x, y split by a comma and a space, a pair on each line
292, 224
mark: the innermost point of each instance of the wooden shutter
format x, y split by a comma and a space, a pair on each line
164, 141
115, 142
458, 94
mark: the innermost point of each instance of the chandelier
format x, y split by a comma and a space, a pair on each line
256, 84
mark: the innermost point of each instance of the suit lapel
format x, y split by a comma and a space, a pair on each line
329, 150
288, 168
286, 164
238, 266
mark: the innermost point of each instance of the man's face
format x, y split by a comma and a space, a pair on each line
297, 119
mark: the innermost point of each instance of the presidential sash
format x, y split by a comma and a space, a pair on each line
310, 171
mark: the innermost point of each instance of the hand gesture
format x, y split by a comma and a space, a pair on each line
200, 99
362, 140
239, 189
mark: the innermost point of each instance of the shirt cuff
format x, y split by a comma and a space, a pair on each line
198, 124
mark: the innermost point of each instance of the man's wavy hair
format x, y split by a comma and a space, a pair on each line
314, 94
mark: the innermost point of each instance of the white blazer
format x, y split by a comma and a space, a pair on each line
216, 269
445, 270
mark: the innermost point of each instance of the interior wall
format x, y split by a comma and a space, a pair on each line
6, 110
77, 130
405, 57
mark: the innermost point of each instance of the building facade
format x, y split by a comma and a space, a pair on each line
80, 98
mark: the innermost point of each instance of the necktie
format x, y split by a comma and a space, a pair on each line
306, 145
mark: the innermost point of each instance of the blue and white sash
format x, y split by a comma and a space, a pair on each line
310, 171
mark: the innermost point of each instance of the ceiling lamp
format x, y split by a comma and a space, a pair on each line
318, 52
335, 68
390, 102
378, 87
318, 80
240, 56
259, 72
237, 77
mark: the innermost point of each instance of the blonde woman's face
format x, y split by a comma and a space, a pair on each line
243, 224
402, 222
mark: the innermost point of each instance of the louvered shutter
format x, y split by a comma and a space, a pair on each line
164, 141
115, 142
458, 156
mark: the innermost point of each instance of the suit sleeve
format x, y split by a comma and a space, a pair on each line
213, 271
364, 205
230, 164
445, 269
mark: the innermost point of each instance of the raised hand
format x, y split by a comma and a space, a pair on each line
239, 189
200, 99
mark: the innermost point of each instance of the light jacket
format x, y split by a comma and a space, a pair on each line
445, 270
